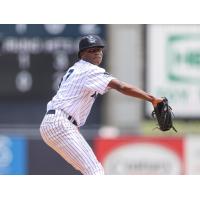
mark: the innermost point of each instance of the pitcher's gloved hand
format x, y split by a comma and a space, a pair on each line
164, 115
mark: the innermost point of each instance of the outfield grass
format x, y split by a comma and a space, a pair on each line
183, 128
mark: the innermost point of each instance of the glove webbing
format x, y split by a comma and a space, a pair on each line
154, 116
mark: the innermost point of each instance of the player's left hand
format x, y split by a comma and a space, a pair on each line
164, 115
156, 101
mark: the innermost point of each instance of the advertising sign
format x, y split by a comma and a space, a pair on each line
192, 155
141, 155
173, 67
13, 155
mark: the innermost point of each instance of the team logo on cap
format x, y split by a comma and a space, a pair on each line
91, 39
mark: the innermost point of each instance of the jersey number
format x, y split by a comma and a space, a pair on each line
68, 74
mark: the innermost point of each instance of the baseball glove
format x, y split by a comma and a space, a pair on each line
164, 115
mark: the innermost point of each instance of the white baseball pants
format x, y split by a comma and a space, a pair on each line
64, 137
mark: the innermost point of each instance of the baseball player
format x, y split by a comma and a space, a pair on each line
70, 107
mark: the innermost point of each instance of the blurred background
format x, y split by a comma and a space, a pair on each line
164, 60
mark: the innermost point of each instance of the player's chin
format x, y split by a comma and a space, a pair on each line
97, 61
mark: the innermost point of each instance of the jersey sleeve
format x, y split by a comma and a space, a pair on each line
98, 80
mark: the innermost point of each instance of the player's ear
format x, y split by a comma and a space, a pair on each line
81, 54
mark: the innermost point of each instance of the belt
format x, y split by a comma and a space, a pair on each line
69, 117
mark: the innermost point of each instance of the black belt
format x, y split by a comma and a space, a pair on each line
70, 118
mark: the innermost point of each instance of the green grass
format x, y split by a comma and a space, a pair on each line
183, 128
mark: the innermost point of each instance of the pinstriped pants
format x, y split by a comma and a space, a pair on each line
64, 137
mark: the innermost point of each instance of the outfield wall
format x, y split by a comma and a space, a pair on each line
125, 155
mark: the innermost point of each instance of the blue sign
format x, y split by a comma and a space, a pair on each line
13, 155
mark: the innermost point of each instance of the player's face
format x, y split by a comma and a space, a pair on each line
93, 55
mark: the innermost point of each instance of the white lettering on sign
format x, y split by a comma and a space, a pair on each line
145, 158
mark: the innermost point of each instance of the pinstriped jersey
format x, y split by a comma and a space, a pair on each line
78, 89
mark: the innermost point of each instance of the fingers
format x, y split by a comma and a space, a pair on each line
156, 101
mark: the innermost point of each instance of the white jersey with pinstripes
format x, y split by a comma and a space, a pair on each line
78, 90
75, 97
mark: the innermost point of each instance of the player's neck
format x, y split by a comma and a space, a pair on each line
86, 60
